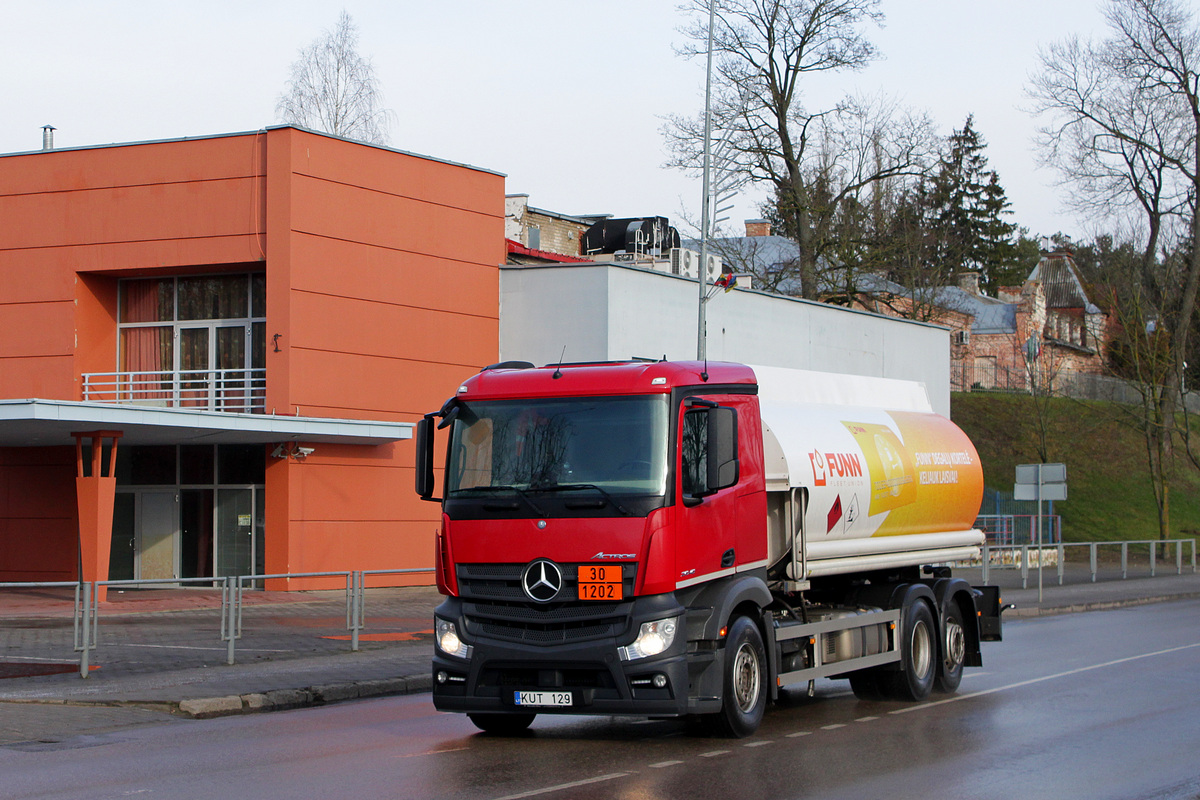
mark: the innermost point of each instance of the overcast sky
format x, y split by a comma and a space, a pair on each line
564, 97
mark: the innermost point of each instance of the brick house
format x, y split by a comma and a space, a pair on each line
1046, 328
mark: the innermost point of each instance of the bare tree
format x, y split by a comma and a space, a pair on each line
813, 160
1126, 133
334, 89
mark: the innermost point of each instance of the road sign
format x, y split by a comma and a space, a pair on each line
1041, 473
1040, 482
1049, 491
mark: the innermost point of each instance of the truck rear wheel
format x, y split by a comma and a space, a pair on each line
954, 650
745, 680
502, 724
918, 654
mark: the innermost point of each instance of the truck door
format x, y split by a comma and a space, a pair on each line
706, 521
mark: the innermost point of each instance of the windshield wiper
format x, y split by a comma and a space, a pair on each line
575, 487
495, 489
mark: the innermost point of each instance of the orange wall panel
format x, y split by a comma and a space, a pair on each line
362, 327
350, 492
38, 518
433, 181
329, 546
398, 223
96, 324
143, 164
46, 377
353, 269
37, 329
404, 387
179, 211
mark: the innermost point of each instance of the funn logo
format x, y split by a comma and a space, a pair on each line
839, 465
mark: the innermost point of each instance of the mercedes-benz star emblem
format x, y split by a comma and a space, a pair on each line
542, 580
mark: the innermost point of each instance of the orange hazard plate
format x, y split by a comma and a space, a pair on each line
600, 582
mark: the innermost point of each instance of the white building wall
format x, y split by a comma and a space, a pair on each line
613, 312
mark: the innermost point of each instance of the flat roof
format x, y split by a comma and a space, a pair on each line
50, 423
251, 133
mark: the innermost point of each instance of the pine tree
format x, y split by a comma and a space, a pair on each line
965, 206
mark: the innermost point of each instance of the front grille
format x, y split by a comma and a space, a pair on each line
495, 605
564, 623
503, 581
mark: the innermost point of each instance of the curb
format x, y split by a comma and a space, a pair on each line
1099, 605
285, 699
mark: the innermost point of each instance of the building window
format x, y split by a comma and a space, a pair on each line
195, 341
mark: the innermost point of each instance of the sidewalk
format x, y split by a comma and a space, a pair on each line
160, 655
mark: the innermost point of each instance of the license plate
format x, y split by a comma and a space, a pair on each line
600, 582
542, 698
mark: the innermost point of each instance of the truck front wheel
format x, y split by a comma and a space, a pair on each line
745, 680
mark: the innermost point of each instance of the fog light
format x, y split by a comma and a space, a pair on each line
441, 676
660, 681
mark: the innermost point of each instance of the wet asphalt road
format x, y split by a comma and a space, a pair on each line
1096, 705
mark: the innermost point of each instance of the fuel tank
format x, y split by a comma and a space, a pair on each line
861, 474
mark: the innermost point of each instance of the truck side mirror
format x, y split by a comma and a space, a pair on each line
424, 459
723, 467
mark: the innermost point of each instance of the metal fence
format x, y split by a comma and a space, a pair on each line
86, 604
1007, 530
1024, 556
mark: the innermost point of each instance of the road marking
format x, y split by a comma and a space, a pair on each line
866, 719
561, 786
662, 764
758, 744
833, 727
799, 733
1045, 678
713, 753
433, 752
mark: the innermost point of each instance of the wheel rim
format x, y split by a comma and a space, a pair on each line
746, 676
956, 645
920, 649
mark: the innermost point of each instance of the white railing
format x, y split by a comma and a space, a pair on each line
229, 390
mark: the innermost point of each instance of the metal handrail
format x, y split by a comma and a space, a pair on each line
229, 390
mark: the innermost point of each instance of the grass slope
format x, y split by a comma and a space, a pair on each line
1110, 496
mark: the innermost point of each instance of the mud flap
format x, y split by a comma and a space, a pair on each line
989, 607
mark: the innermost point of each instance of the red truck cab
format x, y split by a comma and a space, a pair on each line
584, 507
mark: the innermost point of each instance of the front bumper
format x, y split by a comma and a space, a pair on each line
591, 670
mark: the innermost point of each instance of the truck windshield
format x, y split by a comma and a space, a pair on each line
610, 446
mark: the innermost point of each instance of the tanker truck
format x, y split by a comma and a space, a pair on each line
687, 539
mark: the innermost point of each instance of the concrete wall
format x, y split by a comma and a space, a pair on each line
610, 311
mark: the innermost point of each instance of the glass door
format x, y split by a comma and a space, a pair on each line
158, 526
235, 532
194, 366
213, 367
124, 538
232, 384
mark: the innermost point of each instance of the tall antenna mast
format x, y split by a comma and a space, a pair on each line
702, 270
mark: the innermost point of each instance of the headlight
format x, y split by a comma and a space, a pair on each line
446, 636
653, 638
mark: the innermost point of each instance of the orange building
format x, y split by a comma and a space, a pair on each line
212, 351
